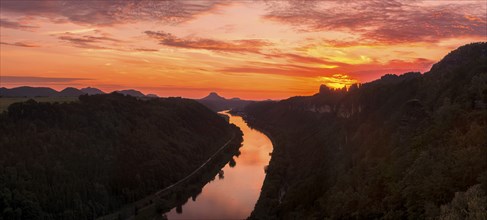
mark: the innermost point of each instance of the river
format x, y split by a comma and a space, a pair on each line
233, 196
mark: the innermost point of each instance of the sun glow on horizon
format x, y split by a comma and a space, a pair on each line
337, 81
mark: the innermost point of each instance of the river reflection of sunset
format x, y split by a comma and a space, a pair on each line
234, 196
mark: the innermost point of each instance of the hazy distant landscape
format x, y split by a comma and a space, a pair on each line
259, 110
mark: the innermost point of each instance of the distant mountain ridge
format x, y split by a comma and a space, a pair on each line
92, 91
27, 91
131, 92
70, 91
213, 96
217, 103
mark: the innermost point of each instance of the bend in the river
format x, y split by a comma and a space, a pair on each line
233, 194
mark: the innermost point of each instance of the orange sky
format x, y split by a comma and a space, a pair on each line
249, 49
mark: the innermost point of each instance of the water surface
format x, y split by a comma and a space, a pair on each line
234, 196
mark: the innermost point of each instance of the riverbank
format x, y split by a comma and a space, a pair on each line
274, 186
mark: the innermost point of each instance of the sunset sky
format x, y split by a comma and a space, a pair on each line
249, 49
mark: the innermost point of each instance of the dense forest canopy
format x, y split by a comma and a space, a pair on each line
402, 147
80, 160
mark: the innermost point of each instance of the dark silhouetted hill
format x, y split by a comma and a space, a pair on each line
131, 92
152, 95
402, 147
27, 91
92, 91
213, 96
218, 103
86, 159
70, 92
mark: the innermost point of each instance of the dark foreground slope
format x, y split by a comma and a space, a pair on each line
402, 147
84, 159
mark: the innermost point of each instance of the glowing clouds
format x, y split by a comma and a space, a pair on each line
250, 49
236, 46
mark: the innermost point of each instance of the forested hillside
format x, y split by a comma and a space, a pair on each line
80, 160
402, 147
